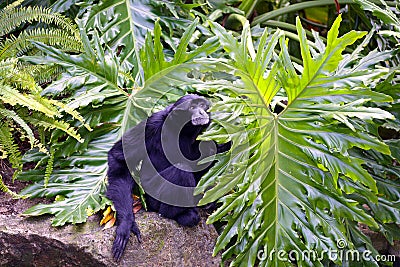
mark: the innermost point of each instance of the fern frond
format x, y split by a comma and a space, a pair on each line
42, 135
13, 97
10, 68
5, 189
50, 123
16, 46
17, 172
8, 147
11, 115
42, 73
23, 80
49, 168
12, 17
13, 5
11, 75
7, 65
71, 112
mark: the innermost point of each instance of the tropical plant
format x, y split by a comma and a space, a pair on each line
319, 15
290, 179
293, 181
21, 103
62, 32
113, 86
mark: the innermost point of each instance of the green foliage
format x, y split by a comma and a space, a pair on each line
125, 33
79, 179
298, 180
54, 37
391, 87
385, 19
21, 104
8, 148
385, 13
79, 170
319, 16
65, 35
287, 183
95, 81
13, 16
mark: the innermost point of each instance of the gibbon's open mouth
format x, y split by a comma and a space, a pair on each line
200, 121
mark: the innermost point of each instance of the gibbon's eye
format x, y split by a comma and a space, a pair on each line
202, 105
191, 107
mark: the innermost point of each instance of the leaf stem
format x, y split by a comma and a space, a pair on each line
296, 7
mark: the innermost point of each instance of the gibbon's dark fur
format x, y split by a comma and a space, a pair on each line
182, 121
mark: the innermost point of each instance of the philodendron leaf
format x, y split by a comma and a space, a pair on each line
281, 188
79, 173
80, 179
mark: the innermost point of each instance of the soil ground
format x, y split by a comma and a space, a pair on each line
8, 205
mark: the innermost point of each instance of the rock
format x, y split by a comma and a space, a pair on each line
34, 242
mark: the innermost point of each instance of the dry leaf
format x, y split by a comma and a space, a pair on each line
108, 214
110, 223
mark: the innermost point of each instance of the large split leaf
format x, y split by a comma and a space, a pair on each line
285, 184
94, 78
77, 183
95, 82
123, 26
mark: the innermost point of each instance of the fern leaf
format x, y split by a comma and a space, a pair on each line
42, 73
11, 74
22, 80
13, 5
8, 147
49, 168
15, 46
71, 112
13, 97
50, 123
10, 114
11, 17
7, 65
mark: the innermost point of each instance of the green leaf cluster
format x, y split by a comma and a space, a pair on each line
291, 183
299, 179
114, 83
22, 105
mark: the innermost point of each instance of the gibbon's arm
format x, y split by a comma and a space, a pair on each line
130, 150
